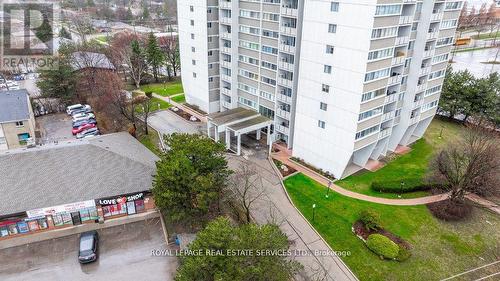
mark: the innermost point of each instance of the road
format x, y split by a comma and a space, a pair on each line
474, 62
124, 254
167, 122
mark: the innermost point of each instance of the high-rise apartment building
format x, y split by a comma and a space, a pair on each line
344, 81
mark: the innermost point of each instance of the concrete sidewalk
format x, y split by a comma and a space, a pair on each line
57, 233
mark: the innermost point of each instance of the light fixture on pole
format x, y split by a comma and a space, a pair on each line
314, 208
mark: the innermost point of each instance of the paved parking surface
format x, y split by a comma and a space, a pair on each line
167, 122
55, 127
124, 254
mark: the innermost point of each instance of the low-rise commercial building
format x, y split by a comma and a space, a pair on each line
17, 122
75, 182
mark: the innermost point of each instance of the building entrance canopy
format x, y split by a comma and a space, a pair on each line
236, 122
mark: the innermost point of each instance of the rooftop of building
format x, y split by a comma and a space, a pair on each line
82, 60
73, 171
14, 106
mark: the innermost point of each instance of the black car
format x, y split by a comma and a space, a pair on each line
83, 122
88, 247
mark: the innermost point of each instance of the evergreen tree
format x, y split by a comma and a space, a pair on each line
64, 33
154, 55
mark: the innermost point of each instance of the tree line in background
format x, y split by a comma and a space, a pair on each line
480, 21
465, 97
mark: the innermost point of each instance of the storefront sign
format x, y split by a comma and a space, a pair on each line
66, 208
119, 199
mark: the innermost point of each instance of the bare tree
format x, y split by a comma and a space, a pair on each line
146, 101
470, 166
82, 26
126, 106
246, 187
170, 47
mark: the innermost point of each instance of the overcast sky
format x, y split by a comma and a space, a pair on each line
478, 3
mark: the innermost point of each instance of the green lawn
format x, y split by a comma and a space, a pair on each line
439, 249
151, 141
179, 98
102, 38
158, 104
411, 165
164, 89
487, 35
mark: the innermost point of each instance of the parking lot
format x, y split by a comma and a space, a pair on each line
124, 254
55, 127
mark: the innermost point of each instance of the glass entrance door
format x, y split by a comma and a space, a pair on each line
75, 217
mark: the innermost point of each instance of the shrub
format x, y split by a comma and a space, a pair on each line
450, 211
382, 246
370, 219
403, 254
395, 186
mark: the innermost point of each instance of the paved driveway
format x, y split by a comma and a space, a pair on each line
124, 254
167, 122
55, 127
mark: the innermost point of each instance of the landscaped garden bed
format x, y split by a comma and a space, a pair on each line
195, 108
184, 114
309, 166
284, 169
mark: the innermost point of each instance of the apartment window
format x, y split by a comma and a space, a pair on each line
192, 22
414, 26
388, 10
193, 49
377, 74
210, 53
437, 74
448, 24
249, 14
367, 132
444, 41
248, 74
332, 28
270, 17
191, 8
267, 96
249, 60
249, 30
384, 32
248, 89
329, 49
247, 102
433, 90
370, 113
323, 106
440, 58
380, 54
193, 62
209, 39
334, 6
249, 45
325, 88
373, 94
210, 65
192, 35
269, 113
321, 124
269, 33
327, 69
209, 24
2, 140
269, 65
429, 106
210, 79
453, 5
19, 124
269, 50
268, 80
209, 10
194, 74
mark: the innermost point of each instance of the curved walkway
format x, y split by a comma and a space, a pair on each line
284, 158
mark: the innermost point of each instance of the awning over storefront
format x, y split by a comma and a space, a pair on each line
236, 122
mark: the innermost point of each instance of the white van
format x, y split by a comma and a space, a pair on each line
73, 107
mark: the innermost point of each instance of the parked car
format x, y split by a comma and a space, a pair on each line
83, 114
75, 107
88, 247
88, 133
83, 128
81, 110
83, 122
83, 117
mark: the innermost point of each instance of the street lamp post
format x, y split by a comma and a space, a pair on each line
401, 189
314, 208
328, 189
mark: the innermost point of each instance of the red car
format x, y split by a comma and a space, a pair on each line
82, 128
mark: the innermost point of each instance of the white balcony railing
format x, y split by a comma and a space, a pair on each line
429, 53
225, 91
421, 87
402, 40
387, 116
425, 70
226, 64
225, 4
288, 30
432, 35
398, 60
418, 103
225, 104
283, 114
391, 98
285, 82
287, 48
225, 35
284, 98
225, 77
285, 65
394, 80
289, 11
414, 120
405, 19
226, 20
226, 50
384, 133
282, 129
437, 16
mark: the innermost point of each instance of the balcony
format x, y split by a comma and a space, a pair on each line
418, 103
285, 82
384, 133
226, 35
397, 119
289, 11
421, 87
288, 30
282, 129
285, 65
432, 35
398, 60
396, 79
409, 1
226, 64
390, 98
414, 120
225, 77
402, 40
429, 53
224, 4
287, 48
437, 16
225, 104
226, 50
225, 91
225, 20
283, 114
284, 98
425, 70
405, 19
387, 116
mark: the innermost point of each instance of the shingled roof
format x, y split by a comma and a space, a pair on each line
14, 106
74, 171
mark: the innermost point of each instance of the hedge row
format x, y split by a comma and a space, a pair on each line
396, 187
382, 246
